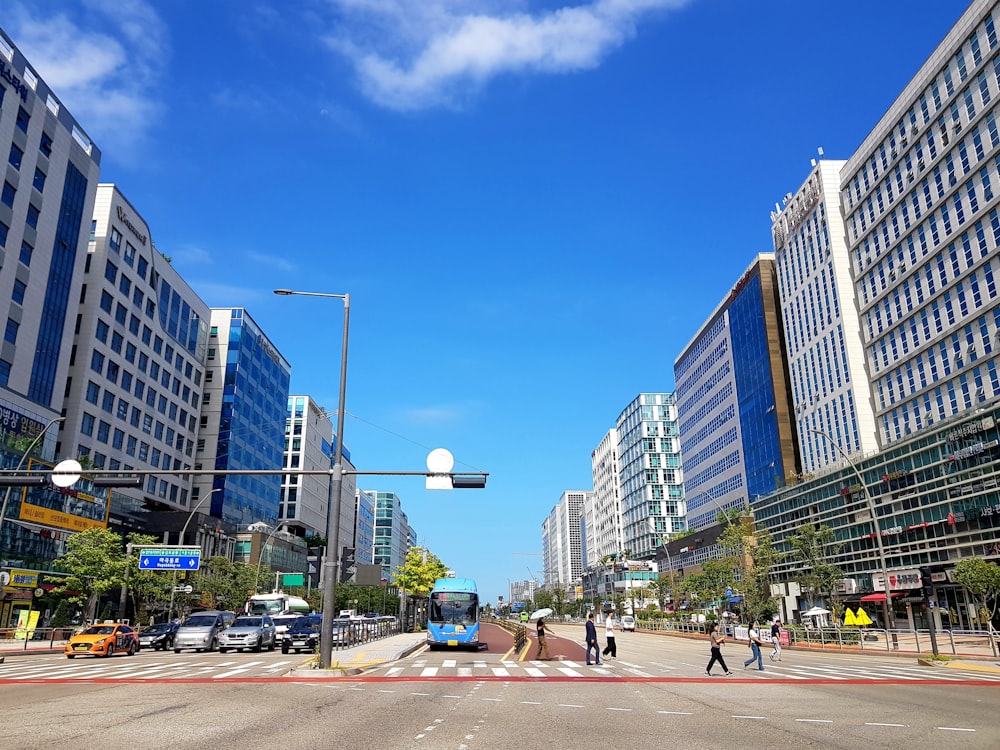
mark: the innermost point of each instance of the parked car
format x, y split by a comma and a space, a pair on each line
105, 640
201, 630
346, 630
159, 636
303, 634
628, 622
253, 632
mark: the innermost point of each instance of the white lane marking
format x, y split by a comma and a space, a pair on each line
394, 671
449, 663
387, 691
878, 724
816, 721
531, 703
451, 696
755, 718
495, 700
569, 705
955, 729
676, 713
465, 671
612, 708
533, 672
569, 672
500, 672
479, 664
429, 672
423, 694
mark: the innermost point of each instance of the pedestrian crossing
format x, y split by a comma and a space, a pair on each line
832, 670
191, 666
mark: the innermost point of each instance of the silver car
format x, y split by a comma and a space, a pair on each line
202, 630
253, 632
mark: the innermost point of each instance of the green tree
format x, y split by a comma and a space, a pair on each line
223, 584
419, 571
543, 600
709, 585
95, 563
982, 580
813, 547
758, 603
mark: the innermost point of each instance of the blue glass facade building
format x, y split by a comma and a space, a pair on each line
733, 401
244, 416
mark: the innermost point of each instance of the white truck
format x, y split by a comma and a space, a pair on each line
276, 603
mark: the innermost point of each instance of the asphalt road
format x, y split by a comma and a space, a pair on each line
498, 715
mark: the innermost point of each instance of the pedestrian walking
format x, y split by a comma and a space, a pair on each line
717, 640
540, 628
592, 640
775, 654
609, 633
755, 644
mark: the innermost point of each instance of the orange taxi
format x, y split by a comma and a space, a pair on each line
103, 639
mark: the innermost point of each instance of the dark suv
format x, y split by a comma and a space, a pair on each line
303, 634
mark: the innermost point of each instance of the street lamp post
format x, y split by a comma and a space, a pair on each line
180, 540
260, 556
331, 560
24, 457
887, 613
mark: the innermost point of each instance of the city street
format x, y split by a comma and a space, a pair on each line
500, 715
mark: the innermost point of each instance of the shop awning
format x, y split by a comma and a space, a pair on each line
879, 597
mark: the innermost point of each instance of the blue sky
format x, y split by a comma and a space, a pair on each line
534, 204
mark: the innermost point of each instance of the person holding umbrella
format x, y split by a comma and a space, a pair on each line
540, 628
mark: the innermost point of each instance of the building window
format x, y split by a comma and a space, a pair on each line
93, 391
17, 295
16, 155
26, 251
106, 301
45, 144
110, 271
115, 241
10, 335
102, 331
39, 181
7, 196
4, 371
4, 229
32, 218
87, 424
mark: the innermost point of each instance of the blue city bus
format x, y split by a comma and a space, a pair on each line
453, 614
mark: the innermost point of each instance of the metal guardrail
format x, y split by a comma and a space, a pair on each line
952, 642
516, 629
362, 632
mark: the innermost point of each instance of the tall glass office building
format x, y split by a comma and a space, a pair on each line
733, 400
243, 418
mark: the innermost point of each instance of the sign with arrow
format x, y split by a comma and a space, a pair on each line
170, 558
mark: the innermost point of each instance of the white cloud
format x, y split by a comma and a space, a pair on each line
416, 55
277, 262
104, 65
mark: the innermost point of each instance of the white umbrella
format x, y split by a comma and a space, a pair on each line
815, 611
544, 612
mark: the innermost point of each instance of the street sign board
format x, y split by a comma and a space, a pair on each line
170, 558
184, 589
293, 579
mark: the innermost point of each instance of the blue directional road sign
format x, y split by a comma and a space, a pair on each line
170, 558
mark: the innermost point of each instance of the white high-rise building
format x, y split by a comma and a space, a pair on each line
826, 361
604, 513
136, 375
652, 479
305, 498
562, 540
919, 200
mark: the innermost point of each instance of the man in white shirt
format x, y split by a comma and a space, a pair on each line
609, 632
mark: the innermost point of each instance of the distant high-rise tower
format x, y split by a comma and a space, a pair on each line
649, 458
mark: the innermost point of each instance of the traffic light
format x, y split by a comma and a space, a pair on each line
346, 564
925, 581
